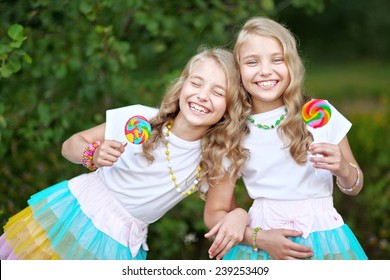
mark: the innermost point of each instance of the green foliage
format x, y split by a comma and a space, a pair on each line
11, 53
345, 30
64, 63
373, 156
310, 6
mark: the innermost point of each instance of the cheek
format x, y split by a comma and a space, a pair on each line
182, 100
185, 92
287, 76
220, 105
246, 74
284, 71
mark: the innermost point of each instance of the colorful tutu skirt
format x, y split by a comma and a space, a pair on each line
323, 229
74, 220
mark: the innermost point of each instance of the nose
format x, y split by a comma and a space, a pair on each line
203, 94
265, 69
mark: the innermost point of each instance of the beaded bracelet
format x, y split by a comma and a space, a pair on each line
254, 234
354, 185
87, 157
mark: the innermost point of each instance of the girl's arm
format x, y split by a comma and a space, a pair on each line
226, 224
106, 154
339, 160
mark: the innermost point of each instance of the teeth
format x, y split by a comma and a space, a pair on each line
198, 108
267, 84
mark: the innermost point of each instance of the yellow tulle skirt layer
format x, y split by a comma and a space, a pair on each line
28, 238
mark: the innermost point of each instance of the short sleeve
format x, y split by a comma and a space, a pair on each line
334, 131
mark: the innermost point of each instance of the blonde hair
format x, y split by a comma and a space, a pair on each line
223, 139
293, 128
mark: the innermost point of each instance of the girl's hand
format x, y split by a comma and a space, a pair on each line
339, 160
108, 153
279, 247
331, 159
229, 232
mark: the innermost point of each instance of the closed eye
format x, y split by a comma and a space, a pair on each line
195, 84
219, 93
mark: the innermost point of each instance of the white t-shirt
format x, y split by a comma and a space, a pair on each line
272, 173
146, 190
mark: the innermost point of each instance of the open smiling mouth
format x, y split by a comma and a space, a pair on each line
267, 84
198, 108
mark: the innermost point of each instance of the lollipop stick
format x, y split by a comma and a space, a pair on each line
316, 155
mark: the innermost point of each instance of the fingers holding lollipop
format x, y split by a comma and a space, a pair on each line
137, 130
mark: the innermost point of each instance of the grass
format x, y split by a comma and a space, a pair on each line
363, 79
359, 86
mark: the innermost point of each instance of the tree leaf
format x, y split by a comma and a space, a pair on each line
16, 32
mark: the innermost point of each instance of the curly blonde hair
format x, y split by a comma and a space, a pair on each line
293, 128
223, 139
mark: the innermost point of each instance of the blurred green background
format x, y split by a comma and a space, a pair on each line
64, 63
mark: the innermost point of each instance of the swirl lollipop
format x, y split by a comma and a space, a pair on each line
137, 130
316, 113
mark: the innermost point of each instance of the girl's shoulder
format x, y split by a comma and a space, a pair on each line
133, 110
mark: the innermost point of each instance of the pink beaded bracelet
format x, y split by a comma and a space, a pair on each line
87, 157
356, 182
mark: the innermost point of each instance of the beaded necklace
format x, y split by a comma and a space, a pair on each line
259, 125
171, 172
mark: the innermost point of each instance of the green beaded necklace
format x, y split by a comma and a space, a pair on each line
171, 172
263, 126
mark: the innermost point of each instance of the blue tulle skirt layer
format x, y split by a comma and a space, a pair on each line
336, 244
54, 226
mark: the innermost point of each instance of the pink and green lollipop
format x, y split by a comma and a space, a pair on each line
316, 113
137, 130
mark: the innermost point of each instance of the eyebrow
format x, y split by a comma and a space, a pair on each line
255, 55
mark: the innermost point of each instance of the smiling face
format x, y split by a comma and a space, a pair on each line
264, 72
203, 97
